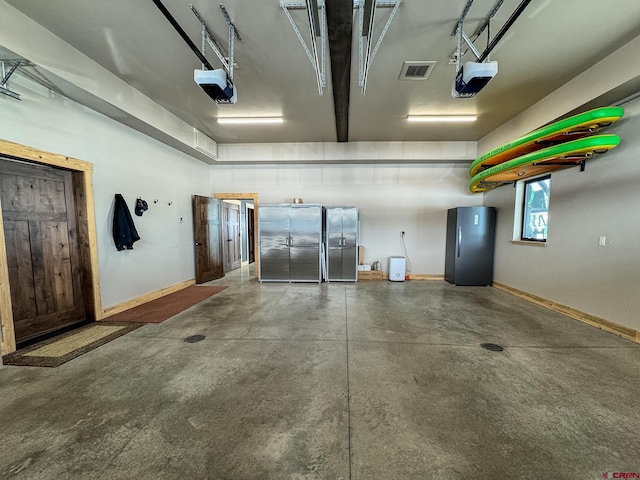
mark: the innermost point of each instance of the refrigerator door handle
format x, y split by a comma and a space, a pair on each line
286, 241
459, 240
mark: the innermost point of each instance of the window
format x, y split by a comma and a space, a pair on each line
535, 209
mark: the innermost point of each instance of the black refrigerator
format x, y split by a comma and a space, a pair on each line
470, 239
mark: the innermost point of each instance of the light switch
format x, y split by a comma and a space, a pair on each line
603, 241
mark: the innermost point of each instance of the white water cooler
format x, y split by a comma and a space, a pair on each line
397, 267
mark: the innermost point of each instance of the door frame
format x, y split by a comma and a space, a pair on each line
81, 173
254, 198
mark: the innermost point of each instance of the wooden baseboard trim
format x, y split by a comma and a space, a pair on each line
601, 323
147, 297
425, 276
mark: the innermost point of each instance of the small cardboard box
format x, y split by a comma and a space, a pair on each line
371, 275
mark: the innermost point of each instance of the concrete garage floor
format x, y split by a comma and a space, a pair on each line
377, 380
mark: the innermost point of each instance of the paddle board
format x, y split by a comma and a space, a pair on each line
571, 128
543, 161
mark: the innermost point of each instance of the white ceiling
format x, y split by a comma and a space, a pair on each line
552, 42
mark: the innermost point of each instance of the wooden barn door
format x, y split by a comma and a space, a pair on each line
43, 256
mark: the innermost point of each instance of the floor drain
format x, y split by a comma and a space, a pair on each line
194, 338
494, 347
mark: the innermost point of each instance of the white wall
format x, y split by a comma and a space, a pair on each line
90, 84
573, 270
125, 162
611, 76
391, 198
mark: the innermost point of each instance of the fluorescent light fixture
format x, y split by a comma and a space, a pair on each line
249, 120
442, 118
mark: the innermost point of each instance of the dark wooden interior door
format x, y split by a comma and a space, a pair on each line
45, 271
208, 238
232, 238
251, 235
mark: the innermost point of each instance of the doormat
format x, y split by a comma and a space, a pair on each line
57, 350
167, 306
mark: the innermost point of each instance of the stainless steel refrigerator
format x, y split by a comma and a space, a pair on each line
290, 237
470, 242
341, 240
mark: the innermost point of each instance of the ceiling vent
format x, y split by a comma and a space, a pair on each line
204, 144
416, 70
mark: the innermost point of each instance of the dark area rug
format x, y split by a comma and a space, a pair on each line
167, 306
57, 350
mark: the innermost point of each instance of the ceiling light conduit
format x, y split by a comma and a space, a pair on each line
317, 18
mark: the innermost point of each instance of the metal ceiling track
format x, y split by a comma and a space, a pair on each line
4, 89
317, 18
486, 25
207, 37
461, 36
508, 24
366, 17
174, 23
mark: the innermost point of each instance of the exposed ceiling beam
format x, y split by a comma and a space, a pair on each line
339, 24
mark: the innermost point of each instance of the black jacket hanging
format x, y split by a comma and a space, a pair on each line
124, 231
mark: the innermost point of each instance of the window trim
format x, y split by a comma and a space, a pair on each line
523, 207
529, 243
